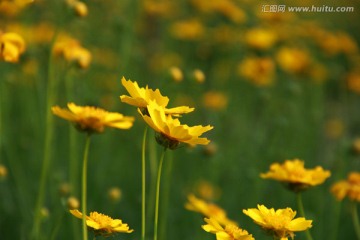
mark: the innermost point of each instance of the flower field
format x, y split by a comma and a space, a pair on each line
189, 119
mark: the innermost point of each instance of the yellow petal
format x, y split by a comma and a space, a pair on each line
299, 224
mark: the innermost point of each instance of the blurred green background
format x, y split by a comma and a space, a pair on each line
277, 86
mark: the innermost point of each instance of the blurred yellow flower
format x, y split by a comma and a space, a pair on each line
92, 119
12, 45
73, 203
191, 29
279, 223
295, 175
170, 132
79, 7
230, 232
209, 210
356, 145
40, 33
347, 188
259, 71
103, 224
114, 194
334, 128
176, 74
293, 60
336, 42
3, 172
12, 7
72, 51
215, 100
227, 8
260, 38
140, 97
206, 190
353, 81
199, 76
164, 8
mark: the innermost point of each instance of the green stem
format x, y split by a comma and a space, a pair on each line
158, 195
73, 157
166, 194
49, 132
355, 218
143, 185
84, 182
302, 213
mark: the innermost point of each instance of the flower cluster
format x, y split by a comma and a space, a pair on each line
152, 106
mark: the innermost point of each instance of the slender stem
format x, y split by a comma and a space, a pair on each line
51, 87
158, 195
302, 213
143, 183
84, 182
73, 157
355, 218
166, 194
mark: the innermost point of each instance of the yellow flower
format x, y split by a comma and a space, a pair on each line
12, 45
259, 71
11, 8
103, 224
176, 74
260, 38
215, 100
230, 232
227, 8
92, 119
3, 172
199, 75
353, 81
73, 203
140, 97
295, 175
293, 60
191, 29
279, 223
356, 146
206, 190
348, 188
72, 51
170, 132
209, 210
114, 194
79, 7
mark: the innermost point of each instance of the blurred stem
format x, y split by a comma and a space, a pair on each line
57, 226
49, 132
156, 219
355, 218
143, 185
84, 182
73, 158
335, 228
302, 213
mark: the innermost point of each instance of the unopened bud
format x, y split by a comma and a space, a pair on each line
73, 203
